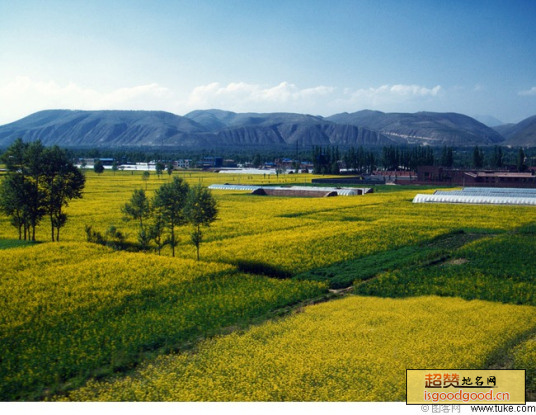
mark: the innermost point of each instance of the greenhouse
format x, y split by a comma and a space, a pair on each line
446, 197
297, 190
487, 194
489, 191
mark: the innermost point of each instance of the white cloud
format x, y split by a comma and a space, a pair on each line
288, 97
24, 96
398, 97
241, 96
528, 92
396, 92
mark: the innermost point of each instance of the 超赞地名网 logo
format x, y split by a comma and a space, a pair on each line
457, 386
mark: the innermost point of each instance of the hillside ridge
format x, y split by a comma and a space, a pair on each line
220, 128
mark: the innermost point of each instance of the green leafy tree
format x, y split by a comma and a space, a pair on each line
156, 231
139, 209
201, 210
14, 156
447, 157
279, 170
257, 160
145, 177
22, 186
14, 187
12, 203
497, 157
521, 166
40, 181
169, 202
33, 161
115, 167
478, 158
170, 168
61, 182
98, 167
159, 168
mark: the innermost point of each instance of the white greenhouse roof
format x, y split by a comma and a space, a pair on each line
344, 191
233, 187
474, 199
499, 190
491, 193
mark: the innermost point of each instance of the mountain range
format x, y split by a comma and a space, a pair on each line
217, 128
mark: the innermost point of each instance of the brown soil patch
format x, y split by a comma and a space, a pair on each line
457, 261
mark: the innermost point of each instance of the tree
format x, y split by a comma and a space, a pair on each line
33, 160
139, 209
115, 167
257, 160
156, 231
14, 188
159, 167
169, 201
22, 186
98, 167
447, 158
497, 157
170, 168
62, 181
521, 166
145, 177
200, 210
40, 181
478, 158
279, 170
12, 203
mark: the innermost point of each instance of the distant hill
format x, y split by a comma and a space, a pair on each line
520, 134
217, 128
280, 128
505, 129
198, 129
424, 127
101, 128
488, 120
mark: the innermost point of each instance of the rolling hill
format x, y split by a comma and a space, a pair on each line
218, 128
520, 134
198, 129
424, 127
283, 129
101, 128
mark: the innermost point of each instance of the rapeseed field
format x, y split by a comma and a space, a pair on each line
354, 349
73, 311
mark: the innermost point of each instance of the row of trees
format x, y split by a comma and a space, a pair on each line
39, 182
174, 204
326, 160
329, 160
496, 158
395, 158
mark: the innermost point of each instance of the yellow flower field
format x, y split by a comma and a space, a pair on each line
354, 349
290, 234
73, 311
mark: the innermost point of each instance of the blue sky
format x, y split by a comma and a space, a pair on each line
318, 57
